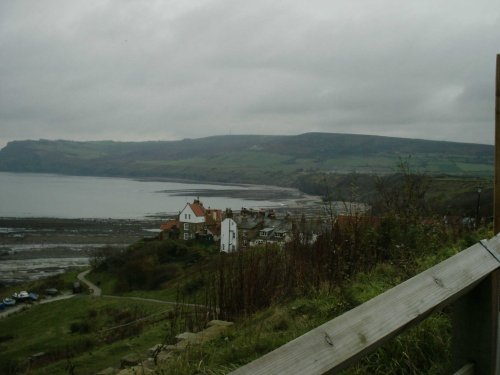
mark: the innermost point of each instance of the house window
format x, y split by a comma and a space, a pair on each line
223, 247
233, 247
186, 226
234, 235
186, 236
185, 216
189, 216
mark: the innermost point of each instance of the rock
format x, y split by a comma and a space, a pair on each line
189, 337
180, 346
108, 371
149, 364
186, 336
155, 349
221, 323
163, 358
211, 333
129, 360
136, 370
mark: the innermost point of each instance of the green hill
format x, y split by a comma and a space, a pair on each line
274, 160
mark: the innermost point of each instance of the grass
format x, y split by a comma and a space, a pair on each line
426, 344
56, 329
422, 349
63, 330
425, 348
167, 292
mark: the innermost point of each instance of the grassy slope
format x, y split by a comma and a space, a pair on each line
47, 328
252, 159
426, 344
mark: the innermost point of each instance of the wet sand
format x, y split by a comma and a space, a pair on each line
32, 248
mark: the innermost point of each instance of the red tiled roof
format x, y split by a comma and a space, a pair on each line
197, 209
169, 225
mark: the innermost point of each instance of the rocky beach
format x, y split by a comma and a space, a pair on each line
31, 248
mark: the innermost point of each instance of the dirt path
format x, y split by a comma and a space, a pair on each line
153, 300
95, 290
23, 306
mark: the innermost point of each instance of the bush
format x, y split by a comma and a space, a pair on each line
10, 366
80, 327
147, 264
193, 285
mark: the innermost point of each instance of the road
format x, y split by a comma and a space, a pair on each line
95, 291
11, 310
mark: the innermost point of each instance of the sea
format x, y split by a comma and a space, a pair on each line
50, 195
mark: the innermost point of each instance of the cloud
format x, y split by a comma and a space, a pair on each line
133, 70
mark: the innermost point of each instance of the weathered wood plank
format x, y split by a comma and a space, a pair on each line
343, 340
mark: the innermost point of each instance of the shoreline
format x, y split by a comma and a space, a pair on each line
158, 179
30, 246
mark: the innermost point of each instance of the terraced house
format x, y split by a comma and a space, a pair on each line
195, 222
192, 220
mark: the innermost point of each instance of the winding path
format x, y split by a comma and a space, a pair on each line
23, 306
96, 291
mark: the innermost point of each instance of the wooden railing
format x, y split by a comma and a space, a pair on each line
469, 280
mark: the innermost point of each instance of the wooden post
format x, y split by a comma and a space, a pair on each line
475, 327
475, 316
496, 212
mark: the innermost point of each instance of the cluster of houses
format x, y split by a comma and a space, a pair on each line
233, 230
250, 227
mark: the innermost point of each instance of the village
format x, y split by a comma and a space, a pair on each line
236, 230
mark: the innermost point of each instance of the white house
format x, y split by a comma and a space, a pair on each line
228, 236
191, 219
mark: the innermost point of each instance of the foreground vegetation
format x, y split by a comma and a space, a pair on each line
74, 334
272, 293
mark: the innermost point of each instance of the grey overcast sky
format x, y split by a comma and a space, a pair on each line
173, 69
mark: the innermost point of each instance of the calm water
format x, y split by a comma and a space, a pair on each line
47, 195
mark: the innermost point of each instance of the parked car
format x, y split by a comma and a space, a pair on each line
21, 296
51, 291
77, 288
9, 302
25, 296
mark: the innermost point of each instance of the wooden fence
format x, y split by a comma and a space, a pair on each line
469, 280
